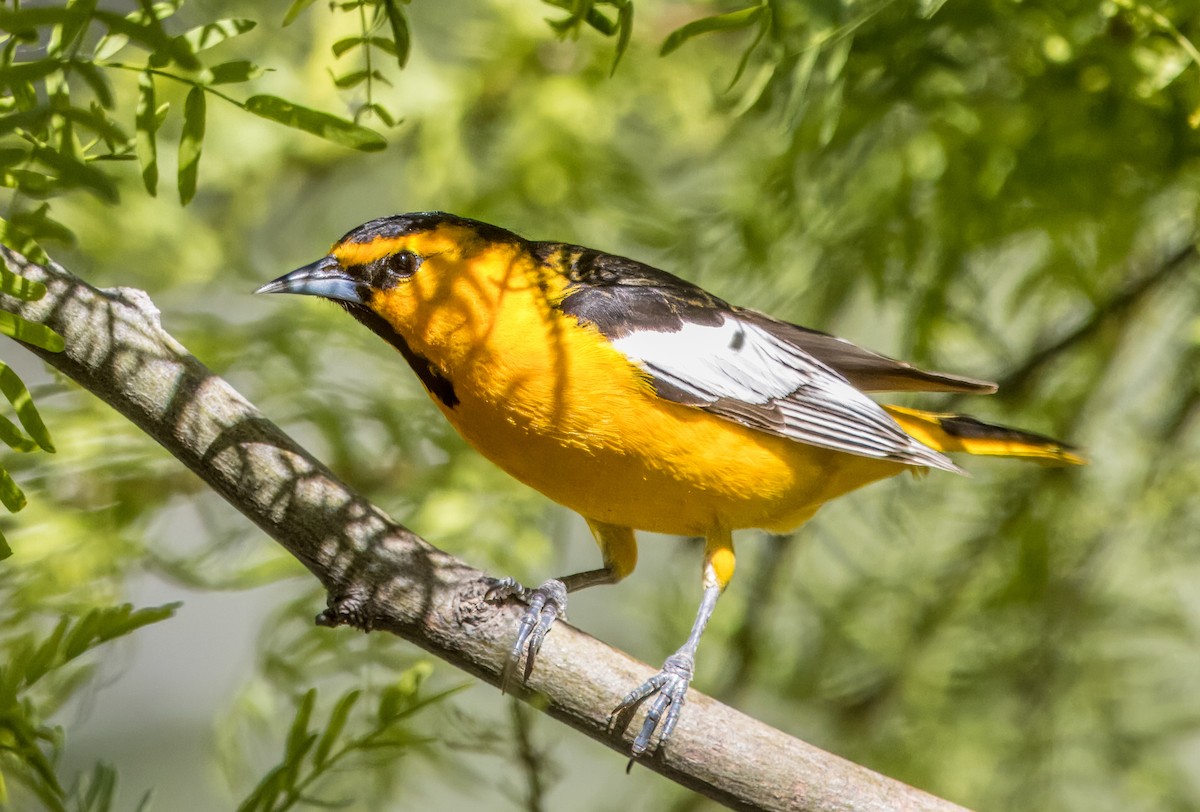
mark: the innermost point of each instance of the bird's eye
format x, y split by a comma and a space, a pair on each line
404, 264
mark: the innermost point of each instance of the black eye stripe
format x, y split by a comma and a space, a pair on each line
385, 272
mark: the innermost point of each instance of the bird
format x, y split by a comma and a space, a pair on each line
640, 401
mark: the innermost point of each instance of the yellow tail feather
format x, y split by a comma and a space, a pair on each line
958, 432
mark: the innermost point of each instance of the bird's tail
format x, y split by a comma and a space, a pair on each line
959, 432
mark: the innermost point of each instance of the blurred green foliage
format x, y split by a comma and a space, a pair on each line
312, 755
1000, 189
35, 681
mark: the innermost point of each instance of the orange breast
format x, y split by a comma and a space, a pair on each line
556, 406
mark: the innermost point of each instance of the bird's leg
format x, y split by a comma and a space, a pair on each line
548, 602
669, 686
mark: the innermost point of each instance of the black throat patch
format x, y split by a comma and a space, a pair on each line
438, 384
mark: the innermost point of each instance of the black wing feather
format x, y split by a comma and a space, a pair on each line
739, 364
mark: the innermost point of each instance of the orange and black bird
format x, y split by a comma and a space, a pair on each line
638, 400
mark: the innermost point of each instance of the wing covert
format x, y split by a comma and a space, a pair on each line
868, 371
742, 365
738, 370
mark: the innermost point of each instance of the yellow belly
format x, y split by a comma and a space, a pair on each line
592, 436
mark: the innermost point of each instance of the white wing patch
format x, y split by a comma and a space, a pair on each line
740, 371
732, 360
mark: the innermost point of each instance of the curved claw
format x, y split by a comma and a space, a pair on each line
547, 604
669, 689
504, 588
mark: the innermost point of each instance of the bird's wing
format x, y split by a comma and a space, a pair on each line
742, 372
700, 352
868, 371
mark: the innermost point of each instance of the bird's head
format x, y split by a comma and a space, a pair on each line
402, 268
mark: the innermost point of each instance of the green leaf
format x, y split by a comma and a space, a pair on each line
191, 140
265, 792
73, 172
379, 111
14, 389
109, 46
238, 70
24, 24
341, 46
96, 80
24, 96
46, 787
20, 241
323, 125
928, 8
214, 33
122, 620
400, 31
5, 552
31, 18
70, 31
337, 723
147, 125
101, 789
624, 31
45, 656
171, 49
96, 121
19, 287
33, 119
38, 335
384, 44
763, 28
398, 699
299, 727
742, 18
146, 29
14, 438
38, 224
416, 705
83, 634
299, 740
582, 11
13, 156
111, 43
351, 79
391, 701
11, 495
28, 71
295, 10
350, 43
108, 623
32, 184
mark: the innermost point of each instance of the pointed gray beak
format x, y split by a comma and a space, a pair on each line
324, 278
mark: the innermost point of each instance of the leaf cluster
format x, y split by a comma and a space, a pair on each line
313, 755
32, 434
383, 28
36, 674
61, 125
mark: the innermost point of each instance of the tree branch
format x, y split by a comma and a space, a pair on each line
380, 575
1105, 314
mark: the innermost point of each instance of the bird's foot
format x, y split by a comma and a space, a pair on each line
669, 688
546, 604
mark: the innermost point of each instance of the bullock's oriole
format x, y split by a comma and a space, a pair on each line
637, 399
